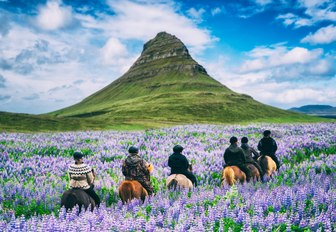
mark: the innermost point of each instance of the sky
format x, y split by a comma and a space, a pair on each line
55, 53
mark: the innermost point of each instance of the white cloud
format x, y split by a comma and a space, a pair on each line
297, 76
112, 50
53, 16
196, 14
324, 35
263, 2
141, 21
216, 11
315, 11
271, 57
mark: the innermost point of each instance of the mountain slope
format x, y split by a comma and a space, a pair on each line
166, 84
318, 110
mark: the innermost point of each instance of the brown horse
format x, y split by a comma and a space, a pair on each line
130, 189
232, 174
268, 165
254, 172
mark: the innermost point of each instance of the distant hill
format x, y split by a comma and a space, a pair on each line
316, 110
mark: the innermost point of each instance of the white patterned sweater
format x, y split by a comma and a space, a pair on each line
81, 176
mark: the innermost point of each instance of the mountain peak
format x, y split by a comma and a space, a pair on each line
166, 52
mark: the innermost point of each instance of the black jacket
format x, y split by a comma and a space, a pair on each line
178, 163
267, 146
234, 155
248, 151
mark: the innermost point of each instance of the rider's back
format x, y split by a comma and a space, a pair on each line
81, 176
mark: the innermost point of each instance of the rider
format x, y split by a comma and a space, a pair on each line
135, 168
82, 177
179, 164
248, 151
234, 156
267, 146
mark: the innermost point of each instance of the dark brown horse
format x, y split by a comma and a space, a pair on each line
268, 165
130, 189
73, 197
254, 172
232, 174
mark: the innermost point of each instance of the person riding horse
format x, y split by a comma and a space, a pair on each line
234, 156
248, 151
82, 177
136, 168
267, 146
179, 164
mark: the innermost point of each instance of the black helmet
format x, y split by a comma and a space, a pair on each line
267, 133
78, 155
233, 140
133, 150
244, 140
178, 148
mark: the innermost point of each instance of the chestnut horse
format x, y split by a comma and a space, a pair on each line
268, 165
232, 174
130, 189
254, 172
73, 197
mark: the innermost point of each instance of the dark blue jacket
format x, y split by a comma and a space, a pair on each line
178, 163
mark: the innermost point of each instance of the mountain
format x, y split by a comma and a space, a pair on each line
317, 110
167, 85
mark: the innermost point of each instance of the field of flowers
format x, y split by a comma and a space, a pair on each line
301, 197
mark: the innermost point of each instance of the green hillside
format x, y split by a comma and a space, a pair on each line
164, 87
166, 84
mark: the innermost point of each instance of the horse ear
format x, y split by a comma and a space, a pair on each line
150, 168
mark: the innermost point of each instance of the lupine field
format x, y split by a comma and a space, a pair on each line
301, 197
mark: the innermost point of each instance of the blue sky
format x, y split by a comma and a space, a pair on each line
55, 53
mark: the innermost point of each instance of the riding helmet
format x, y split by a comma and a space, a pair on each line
133, 150
177, 148
78, 155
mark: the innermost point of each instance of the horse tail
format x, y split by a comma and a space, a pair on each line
126, 191
172, 184
69, 201
263, 163
229, 175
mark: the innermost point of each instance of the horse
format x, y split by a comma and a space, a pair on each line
179, 181
268, 165
232, 174
131, 189
254, 172
73, 197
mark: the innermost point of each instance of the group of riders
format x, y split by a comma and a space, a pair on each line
135, 168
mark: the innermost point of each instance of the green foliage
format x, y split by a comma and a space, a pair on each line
156, 184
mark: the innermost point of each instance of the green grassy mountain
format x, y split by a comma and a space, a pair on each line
164, 87
166, 84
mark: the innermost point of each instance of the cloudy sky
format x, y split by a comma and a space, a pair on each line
55, 53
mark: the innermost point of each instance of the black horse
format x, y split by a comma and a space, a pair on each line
73, 197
